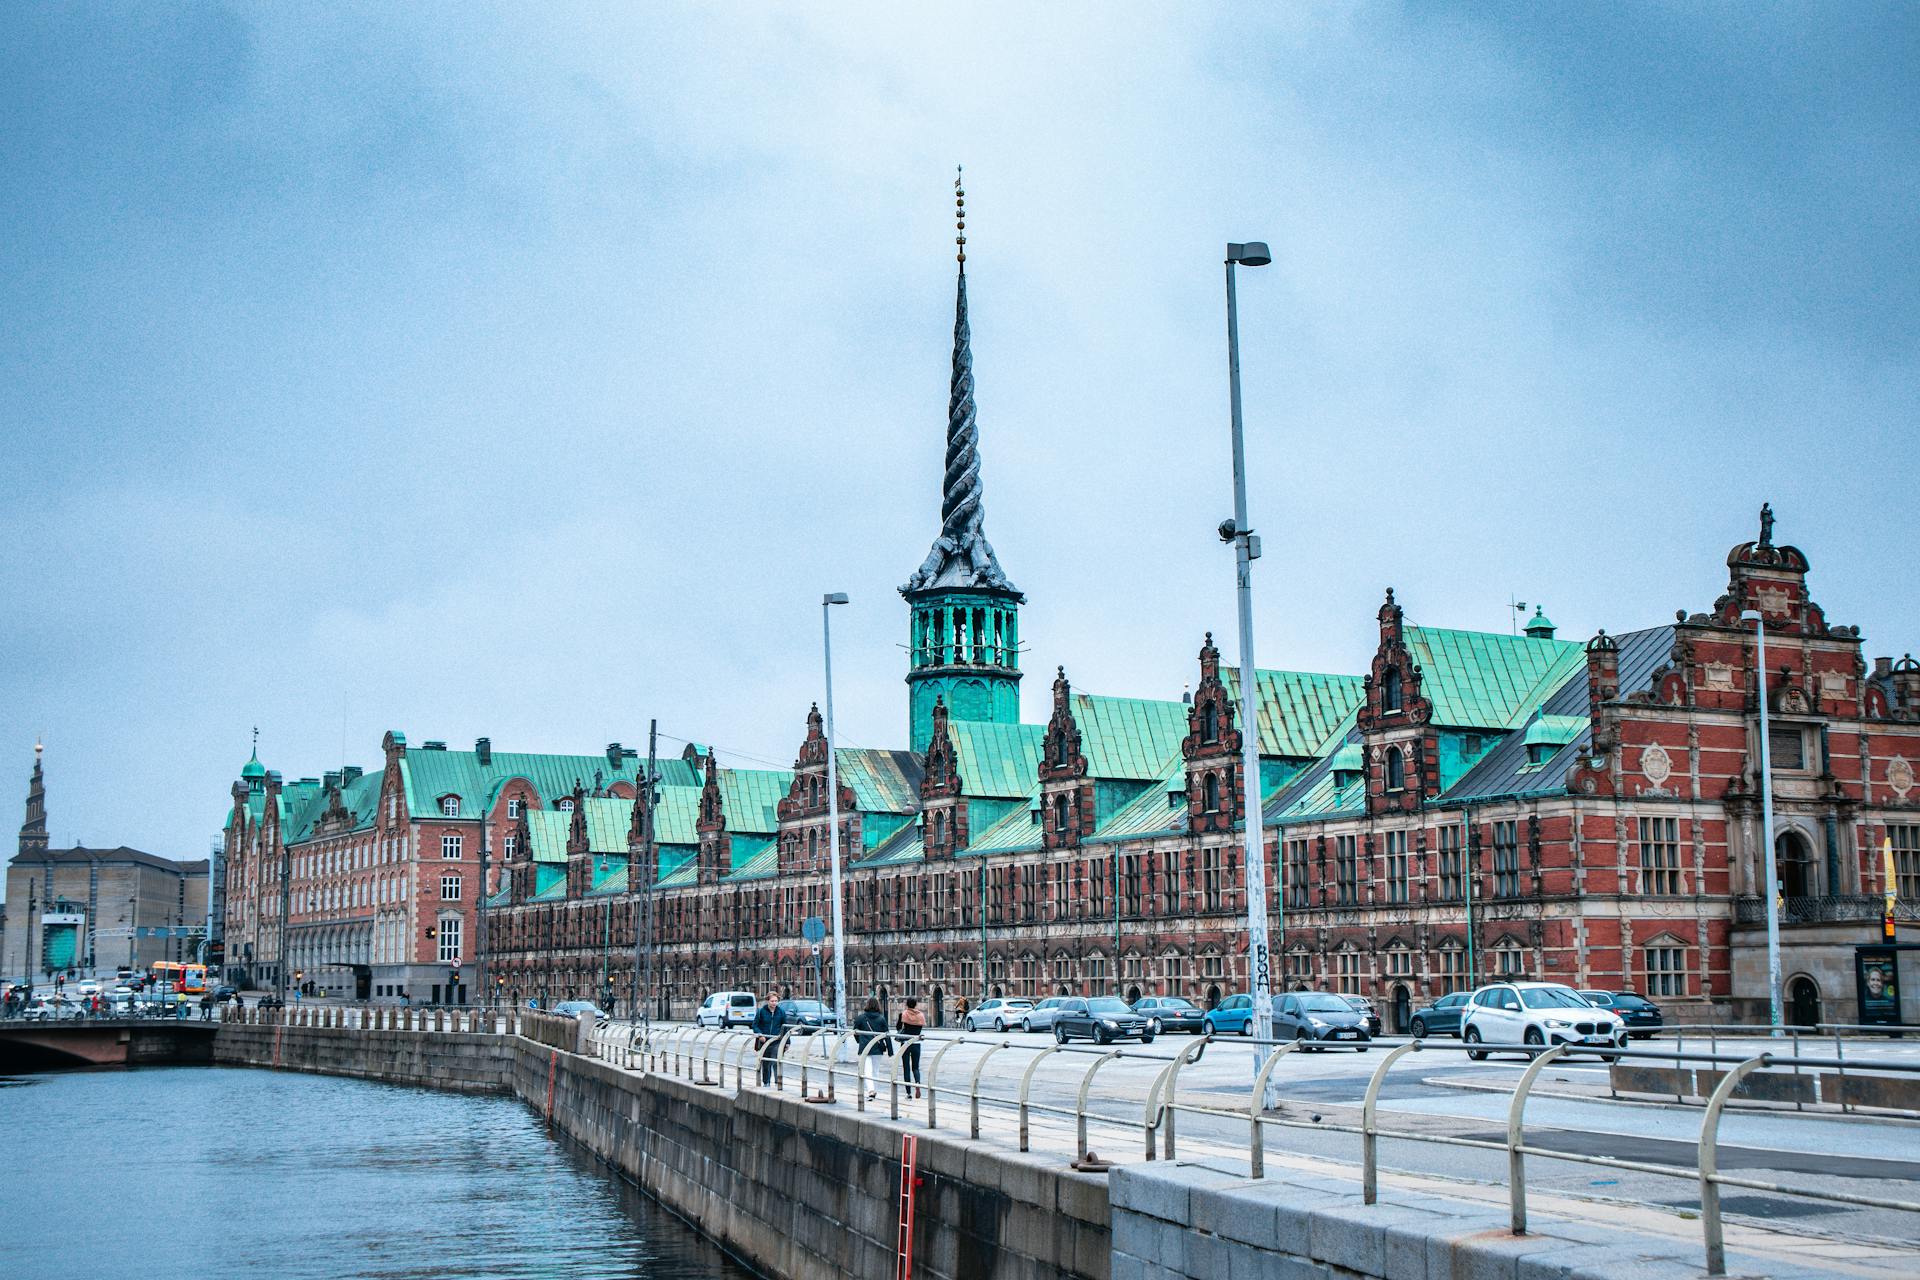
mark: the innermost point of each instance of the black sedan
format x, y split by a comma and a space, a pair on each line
1171, 1013
1442, 1017
1102, 1019
1642, 1016
1319, 1019
1364, 1007
805, 1017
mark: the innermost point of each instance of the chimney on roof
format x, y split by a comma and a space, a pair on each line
1882, 668
333, 780
483, 749
350, 773
433, 744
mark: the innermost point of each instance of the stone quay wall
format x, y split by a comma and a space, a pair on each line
462, 1062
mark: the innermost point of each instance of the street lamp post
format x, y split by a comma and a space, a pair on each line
1772, 894
1246, 548
833, 814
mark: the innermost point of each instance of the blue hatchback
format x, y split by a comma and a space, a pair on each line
1234, 1014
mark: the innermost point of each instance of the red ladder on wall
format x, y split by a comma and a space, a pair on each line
909, 1180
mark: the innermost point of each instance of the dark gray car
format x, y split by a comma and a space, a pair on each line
1102, 1019
1320, 1019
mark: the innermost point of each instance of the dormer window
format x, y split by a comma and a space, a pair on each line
1210, 794
1390, 690
450, 806
1396, 769
566, 806
1210, 723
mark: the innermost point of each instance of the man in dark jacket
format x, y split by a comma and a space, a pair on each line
769, 1020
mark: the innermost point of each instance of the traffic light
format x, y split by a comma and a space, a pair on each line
431, 933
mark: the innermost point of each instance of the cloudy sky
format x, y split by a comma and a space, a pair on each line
531, 370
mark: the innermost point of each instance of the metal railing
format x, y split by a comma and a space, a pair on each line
818, 1063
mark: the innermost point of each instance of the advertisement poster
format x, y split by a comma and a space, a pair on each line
1879, 989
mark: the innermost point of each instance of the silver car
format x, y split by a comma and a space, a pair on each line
998, 1014
1041, 1016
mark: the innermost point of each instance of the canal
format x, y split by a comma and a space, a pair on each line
198, 1171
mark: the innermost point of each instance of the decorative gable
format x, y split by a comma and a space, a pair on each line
716, 846
943, 810
1215, 798
1401, 752
1066, 793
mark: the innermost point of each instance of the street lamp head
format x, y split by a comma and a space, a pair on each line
1251, 254
1752, 615
834, 597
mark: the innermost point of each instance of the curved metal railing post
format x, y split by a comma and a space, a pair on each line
1257, 1142
780, 1063
973, 1088
1167, 1112
1516, 1122
1369, 1131
933, 1072
1710, 1161
741, 1053
899, 1045
1026, 1082
1080, 1106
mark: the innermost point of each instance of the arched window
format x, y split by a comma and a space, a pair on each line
1060, 813
1210, 723
1390, 690
1396, 770
1210, 794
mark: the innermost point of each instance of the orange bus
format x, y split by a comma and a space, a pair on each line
186, 979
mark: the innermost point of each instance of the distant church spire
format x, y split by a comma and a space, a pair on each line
961, 555
33, 832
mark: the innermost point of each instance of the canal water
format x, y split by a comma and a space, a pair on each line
207, 1171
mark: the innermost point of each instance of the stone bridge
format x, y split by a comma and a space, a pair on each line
40, 1046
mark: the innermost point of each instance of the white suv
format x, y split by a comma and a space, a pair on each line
727, 1009
1540, 1014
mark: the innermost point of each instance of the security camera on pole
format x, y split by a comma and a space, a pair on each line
1246, 548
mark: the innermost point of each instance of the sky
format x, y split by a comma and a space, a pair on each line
530, 371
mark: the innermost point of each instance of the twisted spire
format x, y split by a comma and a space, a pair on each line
961, 555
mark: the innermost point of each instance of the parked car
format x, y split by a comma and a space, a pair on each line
997, 1013
808, 1016
1537, 1013
1234, 1014
1364, 1007
1041, 1016
1442, 1017
1642, 1016
574, 1008
1320, 1018
1102, 1019
1171, 1013
726, 1009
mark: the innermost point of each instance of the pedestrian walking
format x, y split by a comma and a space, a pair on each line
769, 1020
206, 1007
913, 1024
870, 1038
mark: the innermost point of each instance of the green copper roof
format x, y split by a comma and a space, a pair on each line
1017, 831
751, 797
904, 845
433, 774
753, 859
253, 768
676, 815
1349, 759
609, 877
881, 781
1299, 710
1480, 680
1128, 737
304, 803
1151, 812
608, 822
997, 761
547, 834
